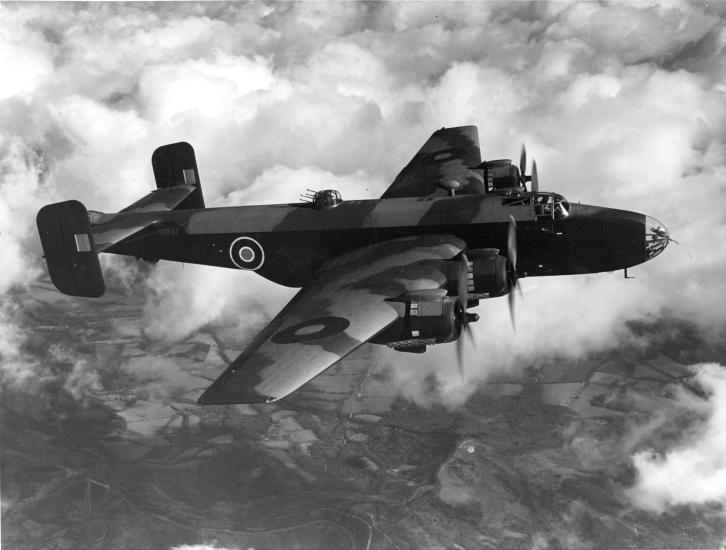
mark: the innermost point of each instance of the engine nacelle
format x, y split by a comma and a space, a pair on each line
424, 319
490, 273
432, 317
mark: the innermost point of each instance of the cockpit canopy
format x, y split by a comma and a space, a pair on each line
551, 205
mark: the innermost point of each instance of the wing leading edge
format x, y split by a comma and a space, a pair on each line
344, 307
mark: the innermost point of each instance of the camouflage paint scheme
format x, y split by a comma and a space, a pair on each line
351, 259
344, 307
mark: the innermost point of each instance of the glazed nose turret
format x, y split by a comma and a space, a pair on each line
656, 238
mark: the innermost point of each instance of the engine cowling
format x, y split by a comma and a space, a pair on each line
433, 317
490, 273
425, 319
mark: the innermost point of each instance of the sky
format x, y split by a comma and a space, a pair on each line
622, 104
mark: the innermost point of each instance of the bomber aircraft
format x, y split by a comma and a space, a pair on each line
401, 271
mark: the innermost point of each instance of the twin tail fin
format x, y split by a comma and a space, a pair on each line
71, 239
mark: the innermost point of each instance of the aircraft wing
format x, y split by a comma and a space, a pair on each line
449, 154
342, 308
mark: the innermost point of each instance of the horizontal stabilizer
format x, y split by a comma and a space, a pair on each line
175, 164
68, 247
110, 229
167, 198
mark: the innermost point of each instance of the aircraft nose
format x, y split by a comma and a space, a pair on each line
656, 237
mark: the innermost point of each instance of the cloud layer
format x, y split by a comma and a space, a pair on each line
694, 471
622, 105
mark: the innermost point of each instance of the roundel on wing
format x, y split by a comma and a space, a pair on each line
312, 329
441, 156
246, 253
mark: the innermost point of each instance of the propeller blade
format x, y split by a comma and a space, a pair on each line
512, 257
523, 161
464, 318
512, 242
460, 354
535, 184
470, 335
467, 335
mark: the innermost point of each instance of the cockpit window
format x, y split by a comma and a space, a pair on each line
551, 205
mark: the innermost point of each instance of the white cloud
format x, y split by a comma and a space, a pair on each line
280, 184
39, 376
16, 368
209, 91
470, 93
97, 171
628, 33
20, 169
692, 470
24, 56
619, 103
622, 105
185, 298
544, 328
81, 378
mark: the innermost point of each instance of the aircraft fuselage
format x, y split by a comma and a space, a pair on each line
288, 243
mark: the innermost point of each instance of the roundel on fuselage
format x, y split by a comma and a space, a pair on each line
246, 253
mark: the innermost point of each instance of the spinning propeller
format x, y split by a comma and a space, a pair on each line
464, 318
512, 277
523, 168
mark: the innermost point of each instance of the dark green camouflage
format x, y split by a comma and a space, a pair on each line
363, 265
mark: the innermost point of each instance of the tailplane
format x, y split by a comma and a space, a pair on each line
72, 239
69, 249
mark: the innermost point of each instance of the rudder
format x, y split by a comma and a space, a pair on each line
68, 247
175, 164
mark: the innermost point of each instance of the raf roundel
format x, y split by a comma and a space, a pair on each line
246, 253
312, 330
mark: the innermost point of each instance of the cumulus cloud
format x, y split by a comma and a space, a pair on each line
274, 185
36, 381
667, 452
81, 378
20, 173
25, 54
544, 328
622, 104
691, 471
183, 299
16, 366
